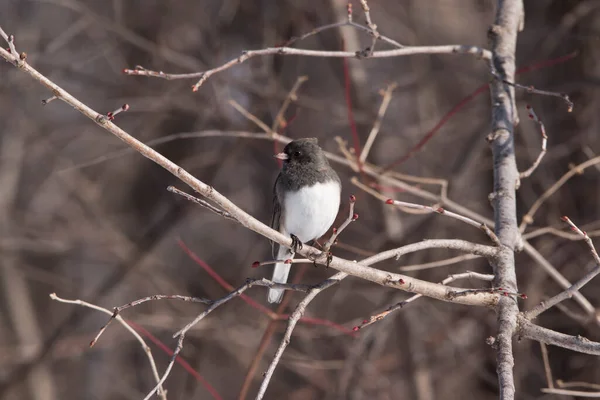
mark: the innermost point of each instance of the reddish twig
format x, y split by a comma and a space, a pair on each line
482, 89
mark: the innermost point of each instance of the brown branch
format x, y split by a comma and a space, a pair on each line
291, 97
578, 169
141, 341
547, 369
567, 392
361, 270
436, 264
442, 211
385, 102
283, 51
293, 320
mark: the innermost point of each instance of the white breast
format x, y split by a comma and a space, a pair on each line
310, 211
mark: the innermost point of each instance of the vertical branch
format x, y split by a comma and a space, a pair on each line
503, 35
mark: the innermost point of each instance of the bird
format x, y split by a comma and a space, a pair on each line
306, 201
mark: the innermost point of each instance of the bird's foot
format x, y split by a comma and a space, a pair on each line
327, 254
296, 243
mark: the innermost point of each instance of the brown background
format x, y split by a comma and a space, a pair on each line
107, 233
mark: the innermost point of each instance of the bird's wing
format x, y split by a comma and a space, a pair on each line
275, 222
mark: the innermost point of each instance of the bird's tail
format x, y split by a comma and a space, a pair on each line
280, 274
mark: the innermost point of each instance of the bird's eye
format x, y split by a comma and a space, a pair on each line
297, 154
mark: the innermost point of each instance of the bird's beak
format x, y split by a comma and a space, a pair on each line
281, 156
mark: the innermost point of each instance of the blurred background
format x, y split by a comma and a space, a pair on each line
86, 220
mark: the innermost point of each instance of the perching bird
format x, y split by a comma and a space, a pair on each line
306, 201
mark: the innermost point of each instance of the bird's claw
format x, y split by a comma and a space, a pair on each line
328, 259
296, 243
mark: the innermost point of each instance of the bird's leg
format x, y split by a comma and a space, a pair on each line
296, 243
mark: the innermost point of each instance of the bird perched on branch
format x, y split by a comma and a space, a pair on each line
306, 200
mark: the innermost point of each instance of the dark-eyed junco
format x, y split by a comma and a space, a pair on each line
306, 201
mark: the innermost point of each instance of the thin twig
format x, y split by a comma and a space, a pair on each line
141, 341
201, 202
547, 369
291, 97
380, 316
575, 393
282, 51
578, 169
371, 25
436, 264
293, 320
538, 160
337, 231
385, 102
568, 293
10, 39
531, 89
442, 211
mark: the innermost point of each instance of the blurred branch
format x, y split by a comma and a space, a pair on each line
293, 320
141, 341
436, 264
567, 392
568, 293
292, 96
385, 102
578, 169
442, 211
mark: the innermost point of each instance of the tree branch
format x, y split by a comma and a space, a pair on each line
293, 320
578, 343
503, 34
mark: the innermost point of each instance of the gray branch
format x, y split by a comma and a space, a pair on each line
503, 34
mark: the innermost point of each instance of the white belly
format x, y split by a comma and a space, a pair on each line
309, 212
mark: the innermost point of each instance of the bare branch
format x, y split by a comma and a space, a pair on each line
442, 211
531, 89
337, 231
293, 320
503, 35
282, 51
578, 169
547, 369
385, 102
391, 309
439, 263
538, 160
291, 97
141, 341
578, 343
201, 202
568, 293
567, 392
